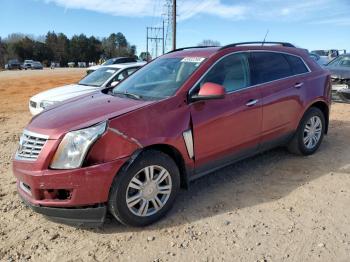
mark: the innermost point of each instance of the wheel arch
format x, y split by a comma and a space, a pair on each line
172, 152
323, 106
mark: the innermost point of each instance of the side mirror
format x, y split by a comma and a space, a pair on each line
114, 83
209, 91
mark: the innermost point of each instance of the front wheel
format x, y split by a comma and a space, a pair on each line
146, 190
310, 133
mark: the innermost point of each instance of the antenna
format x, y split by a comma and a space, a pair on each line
267, 32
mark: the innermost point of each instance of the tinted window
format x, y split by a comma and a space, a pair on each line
109, 61
298, 66
232, 72
269, 66
120, 61
125, 60
129, 60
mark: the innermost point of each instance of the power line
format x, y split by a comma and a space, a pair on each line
164, 30
154, 12
153, 41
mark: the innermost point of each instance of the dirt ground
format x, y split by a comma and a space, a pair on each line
273, 207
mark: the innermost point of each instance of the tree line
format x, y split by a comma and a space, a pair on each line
58, 48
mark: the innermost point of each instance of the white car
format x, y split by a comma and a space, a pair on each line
106, 76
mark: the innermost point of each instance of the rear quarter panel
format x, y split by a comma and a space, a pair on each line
317, 89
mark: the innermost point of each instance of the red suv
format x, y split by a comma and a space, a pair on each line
127, 150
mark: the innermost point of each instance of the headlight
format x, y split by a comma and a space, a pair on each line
44, 104
73, 148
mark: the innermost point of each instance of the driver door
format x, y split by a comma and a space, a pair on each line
228, 128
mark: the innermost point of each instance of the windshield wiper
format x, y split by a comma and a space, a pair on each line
131, 95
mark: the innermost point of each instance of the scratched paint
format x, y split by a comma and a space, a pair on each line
131, 139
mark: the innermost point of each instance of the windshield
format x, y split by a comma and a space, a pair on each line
341, 61
109, 62
98, 77
160, 79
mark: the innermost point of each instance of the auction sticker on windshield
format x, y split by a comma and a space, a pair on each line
193, 59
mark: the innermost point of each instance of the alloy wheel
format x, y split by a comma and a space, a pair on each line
148, 191
312, 132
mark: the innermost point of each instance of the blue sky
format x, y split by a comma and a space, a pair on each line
312, 24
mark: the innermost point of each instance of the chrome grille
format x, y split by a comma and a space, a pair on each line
30, 145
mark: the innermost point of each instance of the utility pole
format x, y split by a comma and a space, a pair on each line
174, 24
163, 39
147, 45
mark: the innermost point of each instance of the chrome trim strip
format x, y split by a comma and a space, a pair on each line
251, 103
188, 138
251, 51
30, 133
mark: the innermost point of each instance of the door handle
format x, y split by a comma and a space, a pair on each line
298, 85
252, 102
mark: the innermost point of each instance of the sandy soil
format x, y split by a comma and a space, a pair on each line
273, 207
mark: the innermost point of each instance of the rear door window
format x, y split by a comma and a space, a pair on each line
298, 66
269, 66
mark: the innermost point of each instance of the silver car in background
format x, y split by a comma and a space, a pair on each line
340, 75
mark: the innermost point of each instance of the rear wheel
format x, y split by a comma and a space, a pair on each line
309, 135
145, 191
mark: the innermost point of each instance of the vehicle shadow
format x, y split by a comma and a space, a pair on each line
264, 178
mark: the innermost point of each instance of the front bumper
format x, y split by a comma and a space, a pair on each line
90, 216
85, 190
340, 90
344, 95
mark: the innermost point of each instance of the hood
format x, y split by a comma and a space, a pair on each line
340, 72
84, 112
63, 93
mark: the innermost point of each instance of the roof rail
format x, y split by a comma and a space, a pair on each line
257, 42
190, 47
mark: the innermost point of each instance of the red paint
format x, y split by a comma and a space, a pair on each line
89, 185
220, 127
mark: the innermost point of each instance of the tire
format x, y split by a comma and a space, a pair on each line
124, 186
308, 147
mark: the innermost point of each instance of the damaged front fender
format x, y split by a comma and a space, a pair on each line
114, 144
